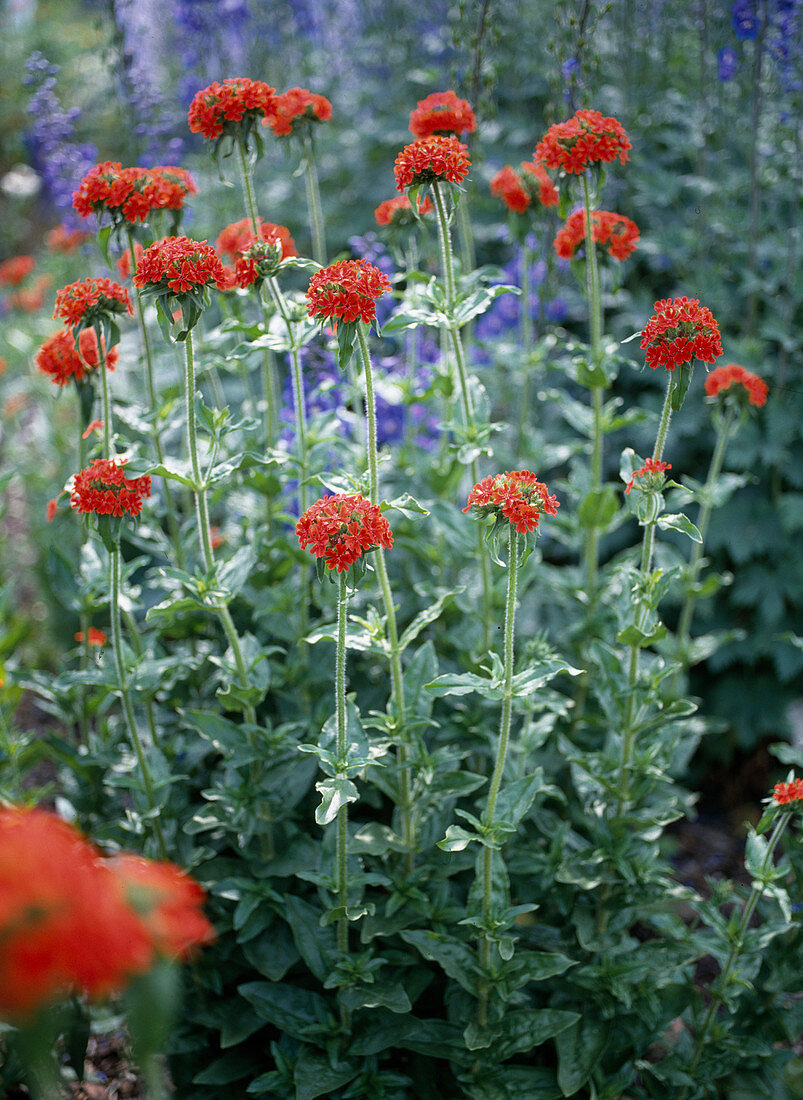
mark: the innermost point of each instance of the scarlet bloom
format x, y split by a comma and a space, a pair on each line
31, 298
52, 508
341, 528
169, 186
179, 265
226, 106
251, 259
62, 362
733, 378
64, 926
124, 262
104, 489
94, 636
90, 299
442, 113
431, 160
15, 270
619, 234
130, 194
399, 211
347, 291
587, 138
62, 239
167, 901
651, 470
507, 186
679, 331
295, 105
91, 427
517, 496
784, 793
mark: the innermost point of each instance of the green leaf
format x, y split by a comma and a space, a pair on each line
464, 683
676, 521
580, 1047
425, 617
455, 958
346, 336
517, 797
631, 635
315, 1076
376, 995
520, 1031
598, 507
535, 966
298, 1012
335, 792
407, 505
317, 945
457, 839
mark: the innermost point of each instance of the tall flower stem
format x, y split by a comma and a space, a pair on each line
396, 677
107, 405
202, 517
647, 547
737, 943
314, 201
156, 434
714, 470
125, 696
499, 766
447, 267
594, 294
341, 844
83, 617
523, 398
268, 368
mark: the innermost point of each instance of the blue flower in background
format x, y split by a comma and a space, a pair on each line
744, 19
727, 63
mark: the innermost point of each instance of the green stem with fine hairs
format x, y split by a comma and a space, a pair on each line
466, 401
314, 201
499, 766
125, 696
202, 518
594, 294
107, 406
396, 677
341, 844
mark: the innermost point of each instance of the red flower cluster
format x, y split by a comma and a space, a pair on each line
222, 106
585, 139
442, 113
398, 211
15, 270
619, 234
179, 265
680, 330
341, 528
238, 238
347, 291
89, 298
104, 489
131, 194
650, 467
31, 298
124, 263
517, 495
66, 924
517, 188
59, 358
724, 378
430, 160
95, 636
784, 793
62, 239
294, 104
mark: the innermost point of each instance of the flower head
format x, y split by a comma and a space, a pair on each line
64, 927
169, 186
124, 262
679, 331
619, 234
178, 266
254, 258
431, 160
91, 299
341, 528
59, 358
587, 138
519, 187
733, 379
63, 239
517, 496
442, 113
16, 270
104, 489
167, 901
347, 291
652, 472
784, 793
294, 106
399, 211
93, 636
226, 107
131, 194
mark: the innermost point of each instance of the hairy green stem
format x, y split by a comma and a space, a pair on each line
756, 892
107, 405
125, 696
341, 847
396, 677
594, 294
499, 766
202, 518
314, 201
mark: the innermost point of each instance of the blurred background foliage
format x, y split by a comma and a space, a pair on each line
710, 95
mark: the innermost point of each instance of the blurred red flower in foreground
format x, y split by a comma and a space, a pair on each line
730, 377
516, 495
341, 528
